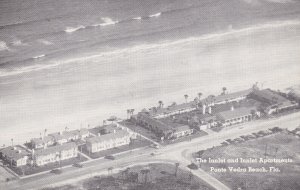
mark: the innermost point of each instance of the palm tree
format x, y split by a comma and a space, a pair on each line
128, 113
145, 173
186, 97
190, 177
109, 170
199, 95
176, 168
45, 132
126, 172
160, 103
12, 142
224, 90
131, 111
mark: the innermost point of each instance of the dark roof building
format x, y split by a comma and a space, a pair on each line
160, 112
17, 155
273, 101
235, 113
226, 98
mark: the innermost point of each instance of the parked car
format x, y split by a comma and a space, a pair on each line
56, 171
110, 157
154, 146
77, 165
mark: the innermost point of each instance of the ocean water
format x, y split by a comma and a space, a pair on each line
75, 63
34, 33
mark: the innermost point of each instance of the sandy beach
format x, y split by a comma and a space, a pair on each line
87, 91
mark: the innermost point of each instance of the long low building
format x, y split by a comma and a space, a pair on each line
161, 129
272, 101
54, 154
15, 155
235, 116
160, 112
42, 142
59, 138
226, 98
108, 141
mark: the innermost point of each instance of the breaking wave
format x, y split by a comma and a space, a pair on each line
45, 42
166, 44
155, 15
27, 69
73, 29
38, 56
3, 46
137, 18
106, 22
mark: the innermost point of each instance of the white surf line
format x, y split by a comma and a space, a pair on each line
74, 29
39, 56
243, 31
137, 18
155, 15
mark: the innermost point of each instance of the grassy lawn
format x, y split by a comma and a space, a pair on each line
138, 143
150, 177
278, 145
28, 170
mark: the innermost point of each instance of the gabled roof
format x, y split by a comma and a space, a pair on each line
173, 108
206, 117
55, 149
154, 122
225, 97
14, 152
182, 128
43, 140
236, 113
57, 136
108, 137
270, 96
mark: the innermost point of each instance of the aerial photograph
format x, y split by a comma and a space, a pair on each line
149, 94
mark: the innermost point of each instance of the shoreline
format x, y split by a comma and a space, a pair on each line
92, 121
89, 93
148, 47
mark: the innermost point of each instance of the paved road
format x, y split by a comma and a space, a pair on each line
179, 152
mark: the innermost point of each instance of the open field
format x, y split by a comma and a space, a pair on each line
280, 145
152, 176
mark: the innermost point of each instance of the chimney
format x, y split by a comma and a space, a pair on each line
114, 131
99, 134
203, 109
232, 108
209, 109
32, 152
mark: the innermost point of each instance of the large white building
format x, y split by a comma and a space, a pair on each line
235, 116
108, 141
15, 155
54, 154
